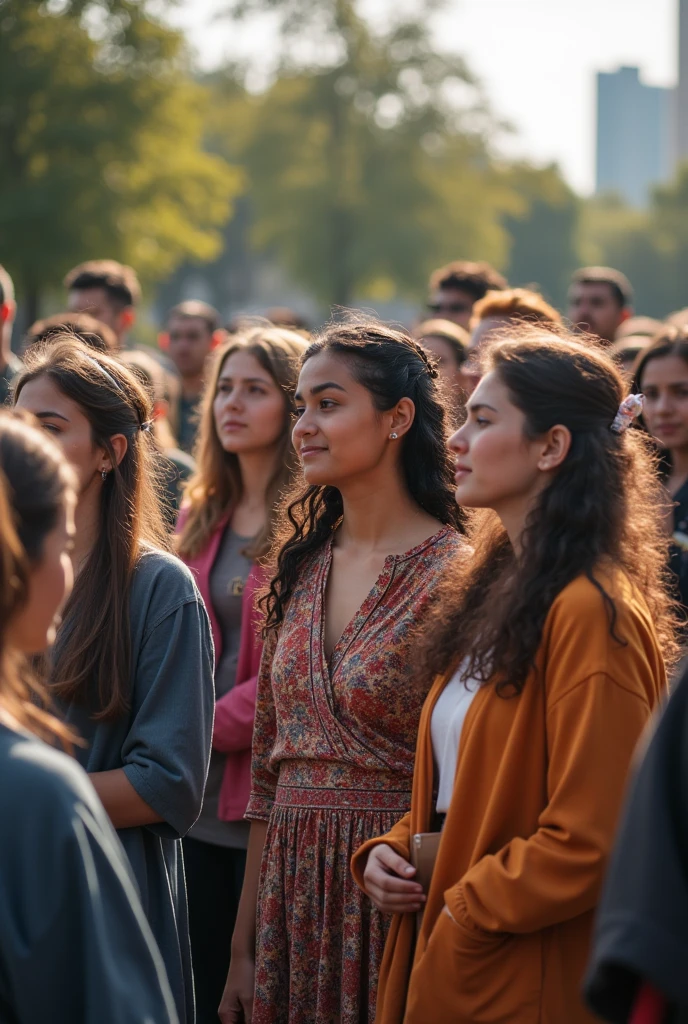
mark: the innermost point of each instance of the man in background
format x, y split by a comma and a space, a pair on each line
498, 310
456, 287
193, 331
10, 365
108, 291
600, 299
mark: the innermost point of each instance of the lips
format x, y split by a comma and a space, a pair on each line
232, 425
309, 450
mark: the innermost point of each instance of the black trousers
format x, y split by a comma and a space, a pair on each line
214, 876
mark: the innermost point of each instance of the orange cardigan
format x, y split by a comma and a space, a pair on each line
539, 784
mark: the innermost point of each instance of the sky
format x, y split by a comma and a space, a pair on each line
536, 60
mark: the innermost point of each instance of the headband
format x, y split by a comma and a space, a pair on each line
147, 425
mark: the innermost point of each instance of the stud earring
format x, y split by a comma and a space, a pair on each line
393, 436
104, 474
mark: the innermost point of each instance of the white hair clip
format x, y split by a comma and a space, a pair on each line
629, 410
146, 427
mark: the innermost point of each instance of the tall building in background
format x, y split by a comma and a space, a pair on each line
680, 140
635, 132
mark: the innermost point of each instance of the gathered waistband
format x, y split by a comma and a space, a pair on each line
332, 785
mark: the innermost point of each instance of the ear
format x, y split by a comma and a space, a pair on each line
218, 338
163, 340
119, 446
556, 446
161, 409
7, 311
402, 417
128, 317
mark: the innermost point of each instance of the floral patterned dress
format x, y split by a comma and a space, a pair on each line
333, 751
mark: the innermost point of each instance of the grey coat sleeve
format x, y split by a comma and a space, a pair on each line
166, 752
76, 947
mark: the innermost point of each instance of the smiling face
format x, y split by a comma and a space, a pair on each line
665, 385
339, 434
249, 407
64, 420
497, 465
51, 577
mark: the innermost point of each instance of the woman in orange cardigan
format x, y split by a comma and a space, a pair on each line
549, 662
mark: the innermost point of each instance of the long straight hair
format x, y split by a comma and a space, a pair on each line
91, 662
35, 481
216, 485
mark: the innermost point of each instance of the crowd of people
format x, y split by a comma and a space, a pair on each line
340, 670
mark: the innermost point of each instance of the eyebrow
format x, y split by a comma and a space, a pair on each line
246, 380
317, 388
50, 414
480, 405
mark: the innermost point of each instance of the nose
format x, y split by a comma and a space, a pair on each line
662, 403
458, 442
302, 428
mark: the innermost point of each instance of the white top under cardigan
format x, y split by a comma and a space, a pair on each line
446, 726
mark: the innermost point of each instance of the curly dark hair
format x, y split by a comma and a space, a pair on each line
391, 366
602, 506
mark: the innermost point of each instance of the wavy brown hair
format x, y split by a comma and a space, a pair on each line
91, 661
604, 505
216, 485
391, 366
35, 481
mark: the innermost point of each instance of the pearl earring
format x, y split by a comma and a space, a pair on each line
393, 436
104, 474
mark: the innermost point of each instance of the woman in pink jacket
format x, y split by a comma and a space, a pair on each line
245, 461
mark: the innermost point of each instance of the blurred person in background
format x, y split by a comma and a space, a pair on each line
131, 670
633, 337
107, 290
661, 375
500, 309
75, 945
177, 465
456, 287
246, 462
283, 316
10, 364
600, 300
86, 328
448, 343
193, 331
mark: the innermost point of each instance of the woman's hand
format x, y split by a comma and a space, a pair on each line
388, 882
237, 999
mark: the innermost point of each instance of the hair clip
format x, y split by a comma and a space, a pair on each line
147, 426
629, 410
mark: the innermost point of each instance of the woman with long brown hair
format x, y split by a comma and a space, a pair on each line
245, 464
71, 924
361, 550
131, 667
548, 657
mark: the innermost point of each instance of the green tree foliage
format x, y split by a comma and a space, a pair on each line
650, 246
369, 166
544, 234
101, 149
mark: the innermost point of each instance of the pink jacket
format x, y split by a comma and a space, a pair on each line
234, 713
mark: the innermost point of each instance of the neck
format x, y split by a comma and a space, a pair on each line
86, 521
257, 469
679, 465
5, 348
192, 387
377, 511
514, 516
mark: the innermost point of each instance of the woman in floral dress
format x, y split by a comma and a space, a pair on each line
367, 544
